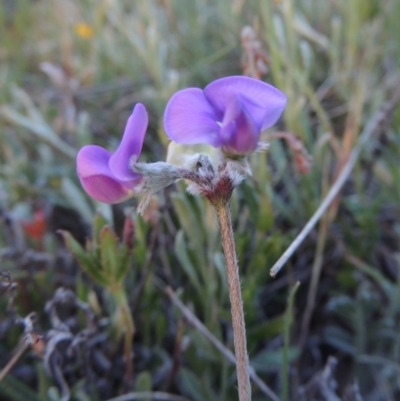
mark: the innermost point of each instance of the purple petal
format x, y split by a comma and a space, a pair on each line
190, 119
97, 178
232, 111
131, 144
263, 102
105, 189
247, 134
93, 160
233, 108
238, 131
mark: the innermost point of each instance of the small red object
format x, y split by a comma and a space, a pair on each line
36, 227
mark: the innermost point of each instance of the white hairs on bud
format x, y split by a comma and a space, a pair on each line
156, 176
262, 147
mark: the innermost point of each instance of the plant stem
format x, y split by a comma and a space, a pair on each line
128, 330
195, 322
239, 330
288, 320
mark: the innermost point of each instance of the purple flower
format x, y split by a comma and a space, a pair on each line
107, 176
229, 113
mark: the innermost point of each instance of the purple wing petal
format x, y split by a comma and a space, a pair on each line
97, 178
239, 133
231, 113
247, 134
93, 160
131, 144
190, 119
233, 108
263, 102
105, 189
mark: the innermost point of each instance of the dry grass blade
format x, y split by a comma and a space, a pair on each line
21, 348
366, 134
192, 319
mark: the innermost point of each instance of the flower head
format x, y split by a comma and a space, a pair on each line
229, 113
107, 176
84, 30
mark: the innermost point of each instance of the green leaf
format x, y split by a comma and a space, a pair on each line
286, 341
16, 390
40, 129
191, 385
265, 216
86, 261
340, 339
98, 223
143, 383
203, 348
109, 252
141, 243
192, 225
186, 264
54, 394
125, 256
267, 360
219, 264
266, 330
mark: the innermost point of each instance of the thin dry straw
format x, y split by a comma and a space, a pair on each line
195, 322
370, 128
23, 346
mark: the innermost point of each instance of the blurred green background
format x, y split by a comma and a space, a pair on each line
70, 74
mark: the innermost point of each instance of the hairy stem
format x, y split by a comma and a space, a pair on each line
195, 322
235, 295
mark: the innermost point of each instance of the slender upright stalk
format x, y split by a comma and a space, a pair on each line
287, 323
128, 332
21, 348
235, 295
